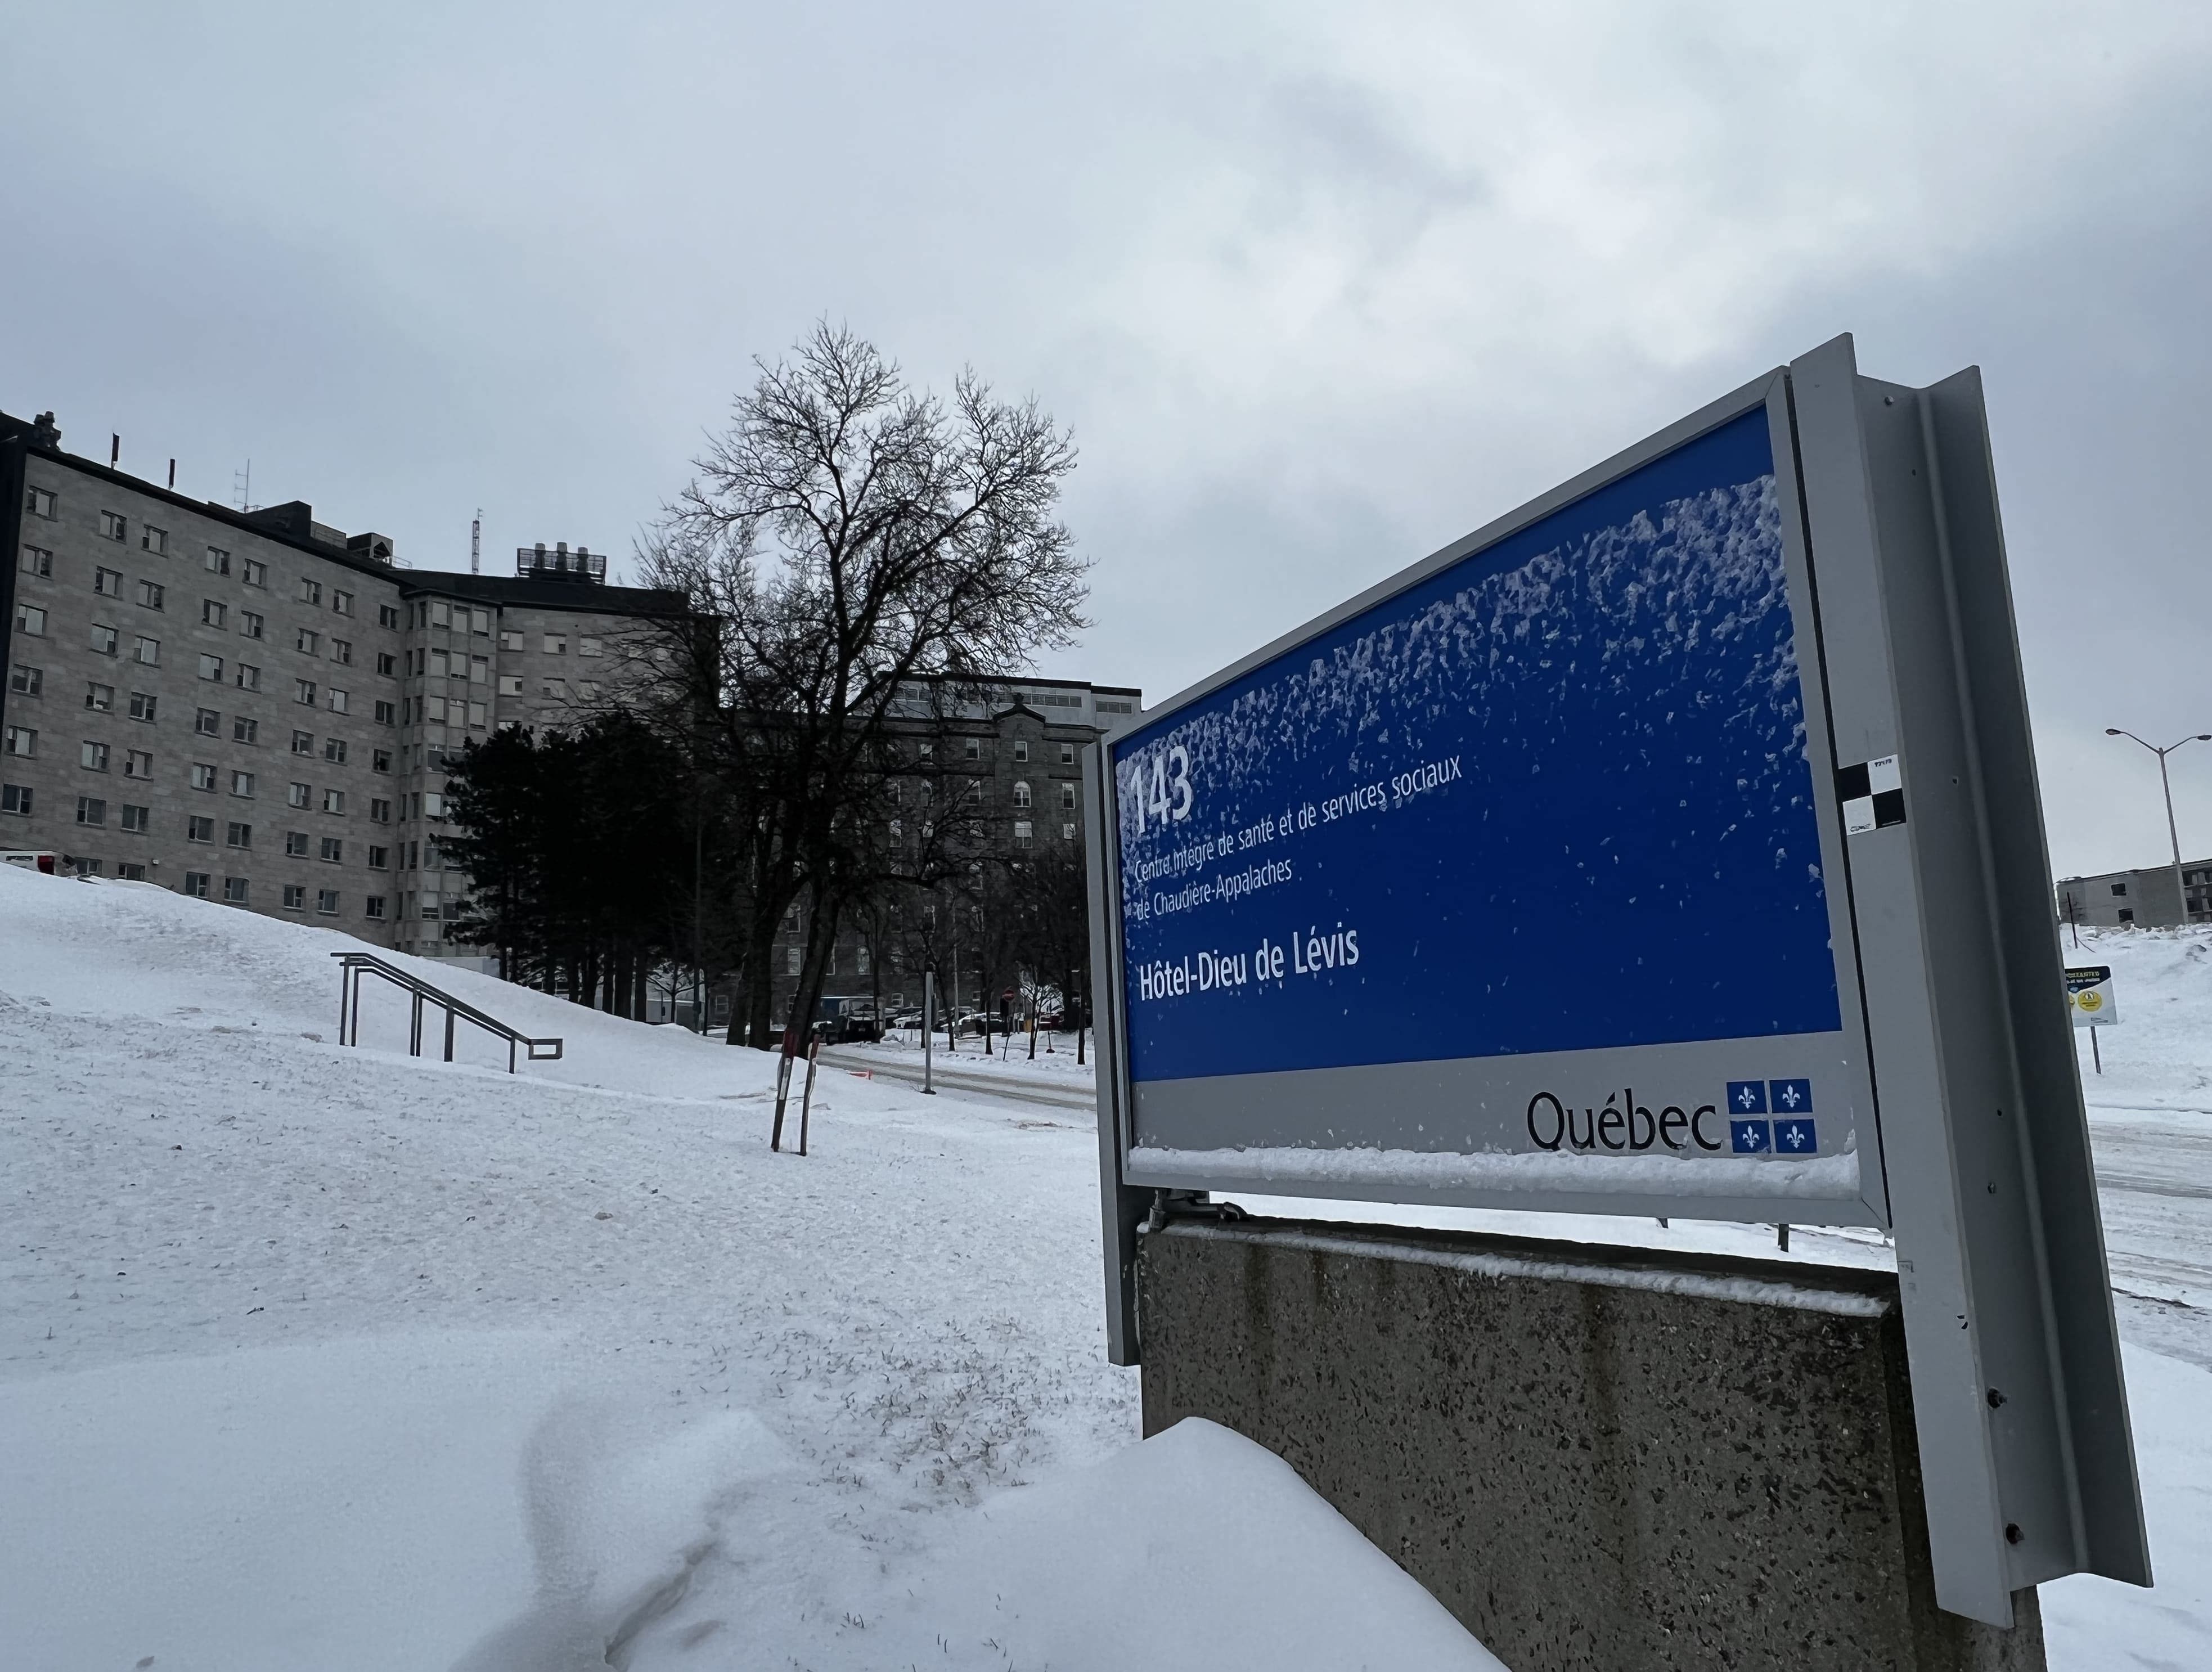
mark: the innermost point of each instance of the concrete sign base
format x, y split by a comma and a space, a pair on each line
1601, 1457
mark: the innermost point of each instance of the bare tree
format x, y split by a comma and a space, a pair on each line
866, 552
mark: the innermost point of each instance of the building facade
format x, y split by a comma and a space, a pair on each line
255, 708
2143, 898
1010, 762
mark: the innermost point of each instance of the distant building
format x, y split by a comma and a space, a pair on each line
2144, 898
1013, 760
256, 708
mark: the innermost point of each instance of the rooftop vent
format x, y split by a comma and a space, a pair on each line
535, 562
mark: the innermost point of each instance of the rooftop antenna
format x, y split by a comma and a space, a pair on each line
241, 486
476, 543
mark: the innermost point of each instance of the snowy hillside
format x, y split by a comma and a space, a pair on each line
318, 1357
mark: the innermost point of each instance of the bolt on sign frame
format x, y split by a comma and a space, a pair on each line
1671, 847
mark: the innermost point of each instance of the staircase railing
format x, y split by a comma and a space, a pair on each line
352, 966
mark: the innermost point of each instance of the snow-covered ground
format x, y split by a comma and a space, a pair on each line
312, 1356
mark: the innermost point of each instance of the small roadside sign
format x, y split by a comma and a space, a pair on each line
2089, 999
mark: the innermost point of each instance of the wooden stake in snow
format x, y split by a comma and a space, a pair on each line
806, 1096
783, 1085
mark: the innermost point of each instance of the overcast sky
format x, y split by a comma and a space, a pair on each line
1318, 288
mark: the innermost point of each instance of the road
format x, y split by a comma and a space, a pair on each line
1009, 1085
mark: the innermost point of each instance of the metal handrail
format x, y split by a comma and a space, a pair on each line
353, 965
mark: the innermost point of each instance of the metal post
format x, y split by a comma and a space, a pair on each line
2095, 1056
449, 1033
928, 1022
415, 1024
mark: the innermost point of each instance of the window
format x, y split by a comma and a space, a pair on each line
238, 835
387, 615
1067, 754
343, 603
1067, 832
15, 799
93, 757
91, 810
379, 811
433, 805
196, 885
387, 714
1021, 796
303, 691
99, 698
150, 596
110, 525
974, 750
309, 641
303, 743
148, 653
246, 677
199, 830
155, 540
249, 625
243, 730
218, 560
1021, 749
556, 644
2127, 915
298, 795
510, 640
333, 801
1107, 707
380, 859
326, 902
440, 664
253, 573
588, 648
441, 613
211, 668
339, 701
791, 960
242, 784
1067, 798
1021, 833
476, 716
38, 561
32, 621
295, 897
137, 763
479, 669
108, 583
204, 776
510, 685
296, 844
387, 664
137, 819
379, 760
311, 592
552, 688
21, 740
130, 872
211, 613
372, 907
334, 750
144, 705
2119, 888
587, 690
27, 681
480, 623
207, 723
39, 503
333, 850
234, 889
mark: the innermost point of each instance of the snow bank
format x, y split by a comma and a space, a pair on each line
1193, 1551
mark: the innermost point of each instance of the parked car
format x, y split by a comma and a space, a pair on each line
33, 859
904, 1019
846, 1021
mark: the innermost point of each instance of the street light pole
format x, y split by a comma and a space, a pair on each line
2180, 889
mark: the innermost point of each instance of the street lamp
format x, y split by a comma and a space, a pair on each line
2181, 893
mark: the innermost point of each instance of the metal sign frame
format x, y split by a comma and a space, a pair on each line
1977, 1157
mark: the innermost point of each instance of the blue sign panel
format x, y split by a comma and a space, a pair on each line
1553, 797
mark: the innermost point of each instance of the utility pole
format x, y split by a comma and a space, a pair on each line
2180, 892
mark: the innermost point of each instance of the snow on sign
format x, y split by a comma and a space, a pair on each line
1636, 855
2089, 998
